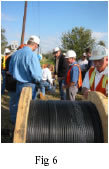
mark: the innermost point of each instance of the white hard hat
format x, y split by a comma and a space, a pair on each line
98, 52
64, 54
56, 49
70, 54
34, 39
84, 54
7, 51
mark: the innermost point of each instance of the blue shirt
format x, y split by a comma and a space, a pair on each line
74, 73
25, 66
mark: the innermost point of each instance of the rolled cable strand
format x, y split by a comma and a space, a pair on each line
64, 121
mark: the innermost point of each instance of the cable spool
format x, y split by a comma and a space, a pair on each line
58, 121
63, 122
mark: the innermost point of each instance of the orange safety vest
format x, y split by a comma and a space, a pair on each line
101, 87
80, 76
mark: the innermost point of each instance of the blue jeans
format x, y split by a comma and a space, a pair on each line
62, 93
12, 106
43, 85
3, 83
19, 88
21, 85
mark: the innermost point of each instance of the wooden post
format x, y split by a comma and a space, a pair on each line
24, 21
22, 115
101, 102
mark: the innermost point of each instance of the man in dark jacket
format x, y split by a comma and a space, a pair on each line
61, 67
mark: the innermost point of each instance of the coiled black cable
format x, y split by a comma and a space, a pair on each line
63, 122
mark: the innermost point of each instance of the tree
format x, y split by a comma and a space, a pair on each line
78, 39
101, 43
3, 40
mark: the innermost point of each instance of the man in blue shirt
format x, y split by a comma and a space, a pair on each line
73, 78
25, 68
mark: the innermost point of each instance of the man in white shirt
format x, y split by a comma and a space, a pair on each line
96, 79
46, 74
83, 62
47, 81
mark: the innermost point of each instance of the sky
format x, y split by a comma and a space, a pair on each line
50, 19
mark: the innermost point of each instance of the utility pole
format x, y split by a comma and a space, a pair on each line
24, 20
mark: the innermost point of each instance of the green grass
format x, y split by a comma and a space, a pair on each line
47, 61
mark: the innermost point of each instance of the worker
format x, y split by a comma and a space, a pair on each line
22, 45
61, 67
11, 88
96, 79
47, 81
83, 62
88, 54
7, 53
25, 67
74, 78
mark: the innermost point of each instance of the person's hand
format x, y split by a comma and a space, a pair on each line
85, 93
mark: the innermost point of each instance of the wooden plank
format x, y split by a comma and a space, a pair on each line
101, 102
22, 115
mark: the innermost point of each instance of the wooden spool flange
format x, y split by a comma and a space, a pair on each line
101, 102
22, 115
